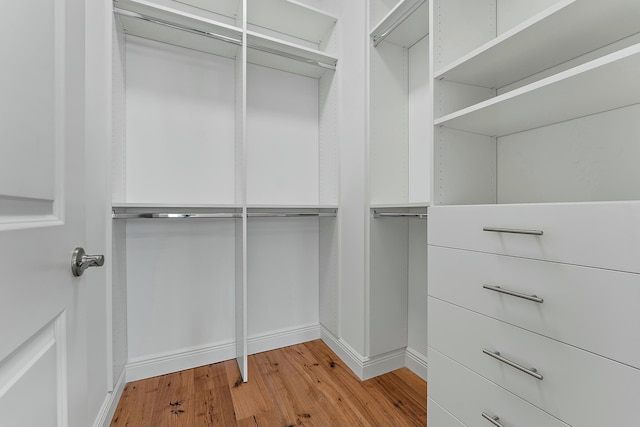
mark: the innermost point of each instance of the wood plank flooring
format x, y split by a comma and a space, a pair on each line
302, 385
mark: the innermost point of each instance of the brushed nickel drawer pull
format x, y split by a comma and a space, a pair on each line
496, 355
533, 298
514, 231
493, 420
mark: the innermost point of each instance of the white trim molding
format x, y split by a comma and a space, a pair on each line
165, 363
364, 367
416, 362
110, 404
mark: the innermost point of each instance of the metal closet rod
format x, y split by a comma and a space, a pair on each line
290, 214
399, 215
145, 215
115, 215
238, 42
328, 66
397, 22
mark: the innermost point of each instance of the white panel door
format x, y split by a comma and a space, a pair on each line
42, 342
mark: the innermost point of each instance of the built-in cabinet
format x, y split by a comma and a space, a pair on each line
399, 172
225, 182
533, 237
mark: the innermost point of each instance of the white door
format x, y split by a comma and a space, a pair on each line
42, 332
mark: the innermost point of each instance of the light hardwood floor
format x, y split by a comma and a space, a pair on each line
301, 385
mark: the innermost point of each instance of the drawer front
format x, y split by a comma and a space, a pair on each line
437, 416
589, 308
467, 395
605, 235
573, 380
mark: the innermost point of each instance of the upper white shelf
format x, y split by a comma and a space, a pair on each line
274, 53
399, 205
230, 8
291, 18
405, 24
603, 84
145, 19
566, 30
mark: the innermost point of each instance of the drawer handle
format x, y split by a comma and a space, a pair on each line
493, 420
514, 231
496, 355
533, 298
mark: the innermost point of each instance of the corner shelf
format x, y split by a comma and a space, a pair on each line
572, 27
291, 18
563, 95
405, 24
144, 19
229, 8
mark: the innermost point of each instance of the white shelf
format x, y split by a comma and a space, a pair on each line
291, 18
411, 26
604, 84
399, 205
178, 28
229, 8
273, 53
566, 30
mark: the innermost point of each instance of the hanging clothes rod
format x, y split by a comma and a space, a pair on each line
328, 66
397, 22
399, 215
178, 26
115, 215
291, 214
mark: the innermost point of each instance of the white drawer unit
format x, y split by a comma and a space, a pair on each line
558, 378
438, 416
593, 309
480, 399
574, 233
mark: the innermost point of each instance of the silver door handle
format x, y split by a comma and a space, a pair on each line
513, 231
533, 298
493, 420
530, 371
80, 261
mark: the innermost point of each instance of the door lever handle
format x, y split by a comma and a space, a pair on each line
80, 261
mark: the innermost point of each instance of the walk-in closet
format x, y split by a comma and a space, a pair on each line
348, 198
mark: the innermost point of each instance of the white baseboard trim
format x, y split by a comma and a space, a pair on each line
282, 338
364, 367
110, 403
165, 363
416, 362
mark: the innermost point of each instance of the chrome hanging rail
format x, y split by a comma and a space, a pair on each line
115, 215
419, 215
328, 66
291, 214
178, 26
379, 38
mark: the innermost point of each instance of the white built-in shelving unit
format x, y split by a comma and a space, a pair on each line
399, 146
534, 196
224, 172
529, 81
